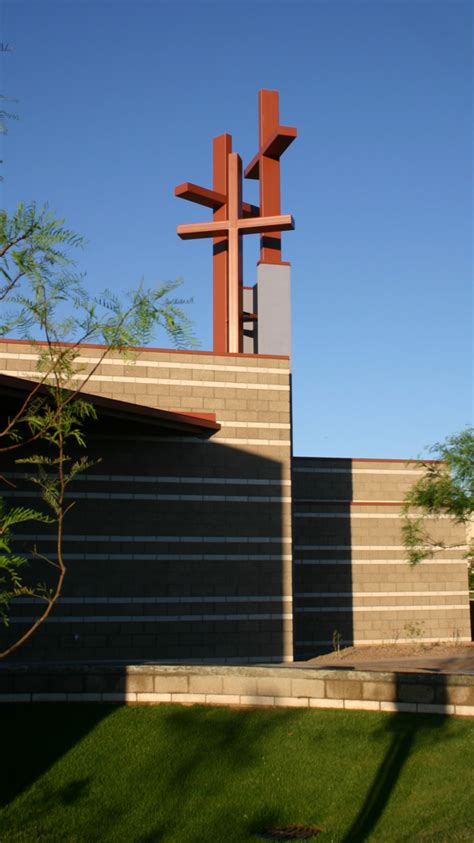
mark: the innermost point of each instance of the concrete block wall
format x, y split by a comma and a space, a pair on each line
179, 547
351, 581
288, 687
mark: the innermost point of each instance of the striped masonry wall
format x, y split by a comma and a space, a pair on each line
178, 547
352, 584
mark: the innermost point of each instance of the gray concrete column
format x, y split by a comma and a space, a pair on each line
273, 295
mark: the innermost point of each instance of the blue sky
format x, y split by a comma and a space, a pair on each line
118, 102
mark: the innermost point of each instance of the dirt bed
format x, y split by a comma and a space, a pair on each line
437, 656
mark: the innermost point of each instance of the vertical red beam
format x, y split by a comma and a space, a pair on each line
269, 120
234, 205
240, 245
222, 147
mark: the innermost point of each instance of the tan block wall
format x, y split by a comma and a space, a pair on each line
287, 687
178, 548
351, 578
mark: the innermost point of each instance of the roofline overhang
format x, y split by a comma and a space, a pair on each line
194, 424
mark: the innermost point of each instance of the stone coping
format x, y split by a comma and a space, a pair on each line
298, 670
242, 685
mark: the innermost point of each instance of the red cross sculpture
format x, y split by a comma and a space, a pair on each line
217, 200
233, 218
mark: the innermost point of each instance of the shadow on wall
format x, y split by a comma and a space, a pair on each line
322, 495
178, 550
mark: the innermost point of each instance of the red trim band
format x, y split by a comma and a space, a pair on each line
363, 459
160, 350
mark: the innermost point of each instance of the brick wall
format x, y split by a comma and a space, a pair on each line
351, 579
179, 547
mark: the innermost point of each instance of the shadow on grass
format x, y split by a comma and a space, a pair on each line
236, 740
46, 800
405, 730
35, 737
154, 836
198, 773
73, 792
151, 774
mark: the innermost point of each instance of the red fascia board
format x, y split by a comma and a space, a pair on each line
323, 501
156, 350
368, 459
377, 503
379, 459
190, 422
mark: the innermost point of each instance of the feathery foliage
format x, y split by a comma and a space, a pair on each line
11, 583
44, 300
4, 117
446, 488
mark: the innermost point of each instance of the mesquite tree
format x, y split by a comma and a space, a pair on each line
45, 301
445, 488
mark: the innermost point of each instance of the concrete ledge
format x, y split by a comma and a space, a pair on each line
296, 687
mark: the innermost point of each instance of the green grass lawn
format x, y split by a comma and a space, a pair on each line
198, 774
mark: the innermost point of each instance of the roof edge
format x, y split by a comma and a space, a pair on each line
149, 348
193, 423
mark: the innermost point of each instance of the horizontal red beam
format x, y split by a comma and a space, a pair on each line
201, 195
252, 170
280, 141
274, 148
282, 222
210, 198
250, 210
199, 230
